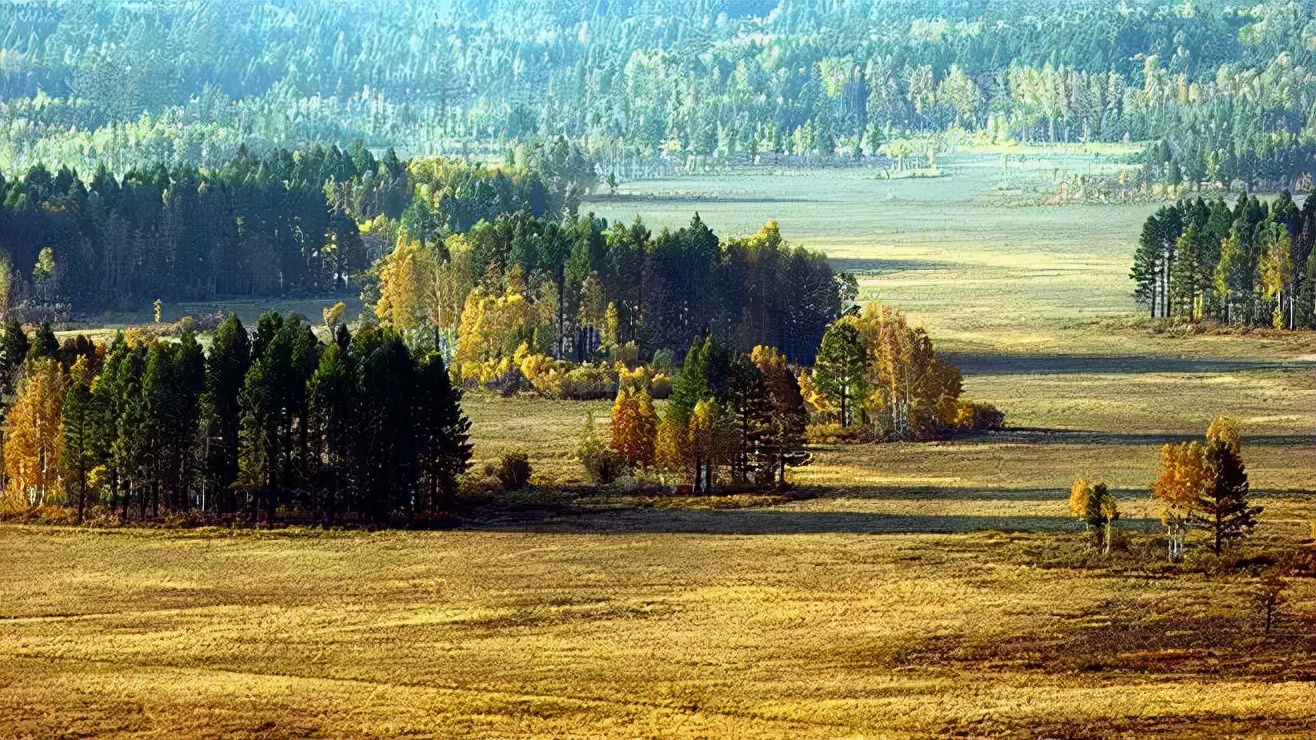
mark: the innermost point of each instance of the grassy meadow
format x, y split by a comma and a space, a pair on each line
906, 590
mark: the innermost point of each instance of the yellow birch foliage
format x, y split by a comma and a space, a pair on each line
817, 402
1185, 475
32, 436
1078, 497
913, 389
406, 286
1225, 428
634, 427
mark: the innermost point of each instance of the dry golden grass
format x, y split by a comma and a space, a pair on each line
909, 590
635, 634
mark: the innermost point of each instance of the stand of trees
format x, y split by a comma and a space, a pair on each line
875, 373
267, 425
1223, 89
580, 290
735, 415
1204, 485
1247, 265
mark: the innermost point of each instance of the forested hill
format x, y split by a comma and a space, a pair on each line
1225, 90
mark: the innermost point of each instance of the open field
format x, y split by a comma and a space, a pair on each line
911, 590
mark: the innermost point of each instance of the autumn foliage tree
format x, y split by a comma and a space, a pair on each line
634, 427
33, 438
904, 390
1093, 503
1205, 485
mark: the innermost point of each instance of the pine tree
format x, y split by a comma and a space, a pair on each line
789, 418
226, 367
77, 458
841, 367
444, 431
750, 406
1223, 509
44, 343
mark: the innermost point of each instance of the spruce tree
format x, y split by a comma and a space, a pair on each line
1223, 509
44, 343
841, 367
225, 369
76, 424
443, 430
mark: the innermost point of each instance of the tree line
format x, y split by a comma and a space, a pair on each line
1222, 88
268, 424
1247, 265
293, 222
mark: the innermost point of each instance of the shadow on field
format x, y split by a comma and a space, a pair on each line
784, 521
860, 266
1040, 364
1038, 436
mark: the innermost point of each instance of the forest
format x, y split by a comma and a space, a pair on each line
1222, 90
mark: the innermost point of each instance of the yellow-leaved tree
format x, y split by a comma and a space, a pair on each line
1093, 503
1185, 476
32, 436
406, 286
634, 426
914, 392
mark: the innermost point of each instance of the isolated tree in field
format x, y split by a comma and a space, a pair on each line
634, 426
1184, 478
1094, 504
841, 367
32, 435
1223, 509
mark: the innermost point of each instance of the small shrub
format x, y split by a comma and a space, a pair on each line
589, 383
662, 360
508, 384
602, 464
978, 417
513, 471
627, 354
660, 388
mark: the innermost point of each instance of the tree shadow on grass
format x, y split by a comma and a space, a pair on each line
778, 521
1042, 436
1045, 364
860, 266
